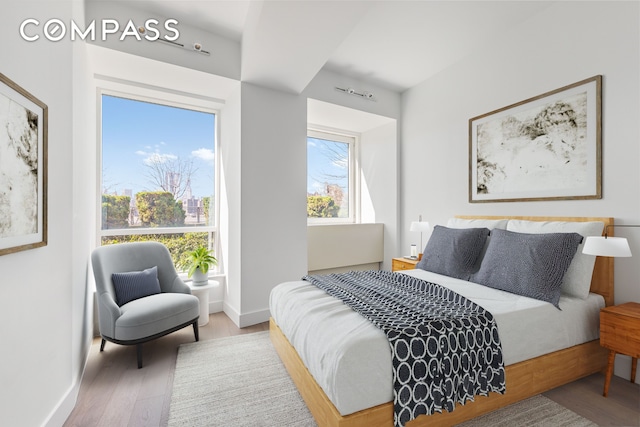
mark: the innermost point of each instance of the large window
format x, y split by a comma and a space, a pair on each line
157, 174
331, 186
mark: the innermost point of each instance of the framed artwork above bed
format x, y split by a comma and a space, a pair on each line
543, 148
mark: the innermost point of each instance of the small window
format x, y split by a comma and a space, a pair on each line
330, 177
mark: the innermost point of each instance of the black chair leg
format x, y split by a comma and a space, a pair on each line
195, 330
102, 344
139, 353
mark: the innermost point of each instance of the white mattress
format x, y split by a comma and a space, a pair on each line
350, 358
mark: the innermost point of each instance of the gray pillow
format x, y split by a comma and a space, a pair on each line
453, 252
132, 285
531, 265
577, 279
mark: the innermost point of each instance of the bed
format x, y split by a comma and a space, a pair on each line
526, 375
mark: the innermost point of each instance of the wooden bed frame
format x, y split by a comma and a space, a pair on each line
523, 380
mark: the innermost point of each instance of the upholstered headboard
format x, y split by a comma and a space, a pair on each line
602, 280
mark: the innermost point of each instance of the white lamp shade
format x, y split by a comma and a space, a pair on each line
420, 226
606, 246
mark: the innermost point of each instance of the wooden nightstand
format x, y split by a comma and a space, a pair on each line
620, 333
399, 264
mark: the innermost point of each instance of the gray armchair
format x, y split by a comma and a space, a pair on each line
145, 318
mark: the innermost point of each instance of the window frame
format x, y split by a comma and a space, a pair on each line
180, 100
352, 139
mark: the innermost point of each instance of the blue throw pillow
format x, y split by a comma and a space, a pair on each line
135, 284
531, 265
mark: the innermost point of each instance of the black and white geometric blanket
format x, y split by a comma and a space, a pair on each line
445, 348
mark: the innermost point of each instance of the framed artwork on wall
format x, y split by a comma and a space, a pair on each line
23, 169
543, 148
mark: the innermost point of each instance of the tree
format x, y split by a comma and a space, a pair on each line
115, 211
335, 192
170, 174
321, 207
159, 209
179, 245
206, 201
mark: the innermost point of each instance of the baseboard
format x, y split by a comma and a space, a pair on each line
242, 320
254, 318
216, 306
231, 313
64, 408
67, 403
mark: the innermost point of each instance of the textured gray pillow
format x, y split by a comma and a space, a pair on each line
135, 284
453, 252
530, 265
577, 279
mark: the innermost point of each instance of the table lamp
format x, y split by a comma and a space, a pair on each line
420, 226
606, 245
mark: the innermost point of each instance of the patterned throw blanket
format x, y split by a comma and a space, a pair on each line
445, 348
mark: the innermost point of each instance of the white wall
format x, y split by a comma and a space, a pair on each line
230, 202
322, 87
224, 59
379, 184
333, 248
565, 43
83, 229
39, 287
273, 198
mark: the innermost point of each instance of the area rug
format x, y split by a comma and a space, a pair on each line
240, 381
237, 381
536, 411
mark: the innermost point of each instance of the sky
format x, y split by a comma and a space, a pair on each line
327, 161
135, 132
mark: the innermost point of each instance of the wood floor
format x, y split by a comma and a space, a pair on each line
115, 393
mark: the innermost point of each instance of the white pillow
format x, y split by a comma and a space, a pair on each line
477, 223
577, 280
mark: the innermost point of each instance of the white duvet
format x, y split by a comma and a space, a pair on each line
350, 358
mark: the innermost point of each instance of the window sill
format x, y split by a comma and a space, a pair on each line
217, 275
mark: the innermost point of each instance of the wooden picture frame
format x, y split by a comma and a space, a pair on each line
23, 169
544, 148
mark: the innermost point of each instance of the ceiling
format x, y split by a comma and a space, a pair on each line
393, 43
